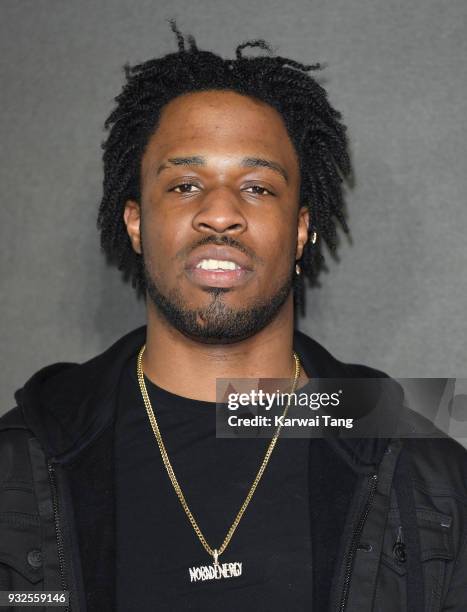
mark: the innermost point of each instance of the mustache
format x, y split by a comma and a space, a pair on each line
221, 241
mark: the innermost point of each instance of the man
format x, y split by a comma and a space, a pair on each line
222, 180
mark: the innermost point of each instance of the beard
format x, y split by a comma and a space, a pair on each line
217, 323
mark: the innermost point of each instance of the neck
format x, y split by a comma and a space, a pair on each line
189, 368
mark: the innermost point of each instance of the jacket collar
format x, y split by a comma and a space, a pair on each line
67, 405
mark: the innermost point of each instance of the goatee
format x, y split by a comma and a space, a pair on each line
218, 323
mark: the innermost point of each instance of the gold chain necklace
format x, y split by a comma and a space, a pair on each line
227, 569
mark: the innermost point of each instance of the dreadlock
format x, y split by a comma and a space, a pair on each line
312, 123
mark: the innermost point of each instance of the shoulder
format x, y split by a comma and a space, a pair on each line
439, 462
319, 362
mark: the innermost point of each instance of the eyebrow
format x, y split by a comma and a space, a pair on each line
247, 162
255, 162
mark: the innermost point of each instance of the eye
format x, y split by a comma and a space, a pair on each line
258, 190
184, 188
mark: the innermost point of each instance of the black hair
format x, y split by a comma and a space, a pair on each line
313, 125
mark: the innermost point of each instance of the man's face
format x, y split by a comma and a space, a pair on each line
219, 225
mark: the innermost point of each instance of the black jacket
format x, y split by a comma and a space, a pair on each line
404, 539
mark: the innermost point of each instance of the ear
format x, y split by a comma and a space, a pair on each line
302, 230
132, 217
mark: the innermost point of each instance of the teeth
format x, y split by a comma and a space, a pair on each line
217, 264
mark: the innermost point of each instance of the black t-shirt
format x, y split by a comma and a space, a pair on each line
156, 544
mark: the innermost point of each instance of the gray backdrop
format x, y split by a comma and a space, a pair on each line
397, 71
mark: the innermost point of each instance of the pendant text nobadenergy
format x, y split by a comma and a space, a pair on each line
215, 572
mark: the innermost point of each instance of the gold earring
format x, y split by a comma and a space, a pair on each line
297, 269
314, 238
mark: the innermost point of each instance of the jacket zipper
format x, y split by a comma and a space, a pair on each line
58, 529
372, 482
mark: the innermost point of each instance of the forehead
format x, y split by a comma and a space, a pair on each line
222, 122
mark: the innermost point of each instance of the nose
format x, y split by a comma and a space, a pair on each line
220, 212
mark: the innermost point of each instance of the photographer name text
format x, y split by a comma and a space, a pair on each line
323, 420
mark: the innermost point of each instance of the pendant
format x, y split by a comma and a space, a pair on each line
216, 571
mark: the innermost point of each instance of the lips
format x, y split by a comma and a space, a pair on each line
220, 253
218, 278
